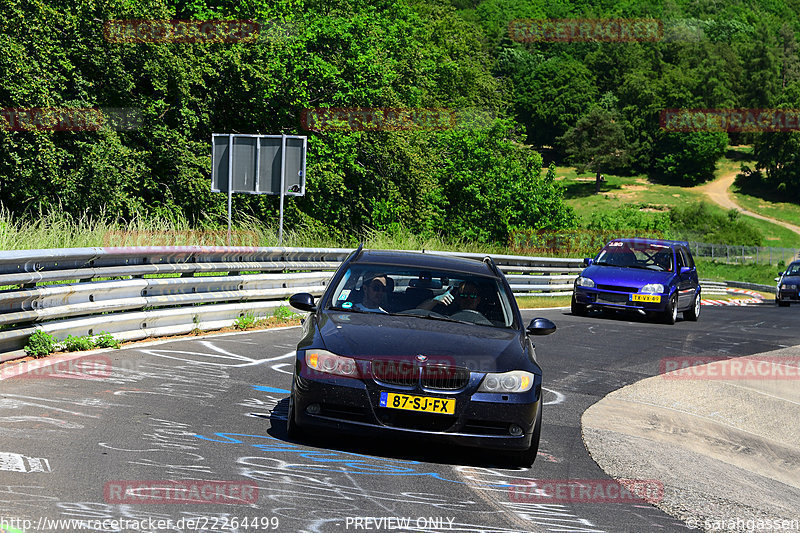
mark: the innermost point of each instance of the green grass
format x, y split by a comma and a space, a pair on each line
619, 191
718, 271
537, 302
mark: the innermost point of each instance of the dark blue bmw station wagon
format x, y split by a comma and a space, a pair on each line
649, 276
407, 343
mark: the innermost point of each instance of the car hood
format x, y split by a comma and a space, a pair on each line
379, 336
794, 280
634, 277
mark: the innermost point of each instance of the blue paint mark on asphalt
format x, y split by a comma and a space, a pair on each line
262, 388
347, 462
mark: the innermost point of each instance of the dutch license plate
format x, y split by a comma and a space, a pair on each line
418, 403
650, 298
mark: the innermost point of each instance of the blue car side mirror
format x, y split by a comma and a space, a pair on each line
303, 301
541, 326
684, 270
587, 261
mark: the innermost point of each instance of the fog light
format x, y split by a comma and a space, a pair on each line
313, 409
515, 430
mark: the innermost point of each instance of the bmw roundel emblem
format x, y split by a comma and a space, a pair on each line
422, 358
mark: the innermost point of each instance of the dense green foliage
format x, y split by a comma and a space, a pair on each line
698, 223
596, 104
313, 54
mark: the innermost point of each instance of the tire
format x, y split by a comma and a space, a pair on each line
293, 431
783, 304
671, 313
693, 312
526, 458
576, 308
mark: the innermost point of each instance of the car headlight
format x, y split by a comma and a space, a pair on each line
783, 286
655, 288
514, 381
584, 282
324, 361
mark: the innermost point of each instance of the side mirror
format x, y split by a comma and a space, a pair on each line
303, 301
684, 270
541, 326
587, 261
780, 273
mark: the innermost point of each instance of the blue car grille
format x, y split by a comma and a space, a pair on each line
618, 288
611, 298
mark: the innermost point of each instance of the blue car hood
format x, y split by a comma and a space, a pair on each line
630, 277
371, 336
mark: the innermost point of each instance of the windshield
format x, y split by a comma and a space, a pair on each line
428, 294
793, 270
637, 255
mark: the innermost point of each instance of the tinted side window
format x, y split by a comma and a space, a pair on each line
688, 260
681, 259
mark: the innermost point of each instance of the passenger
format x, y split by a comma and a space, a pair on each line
375, 291
466, 298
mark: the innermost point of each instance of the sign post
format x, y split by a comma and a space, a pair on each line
258, 164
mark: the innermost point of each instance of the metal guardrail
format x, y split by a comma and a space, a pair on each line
86, 291
736, 254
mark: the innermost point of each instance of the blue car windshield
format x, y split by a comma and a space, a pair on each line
637, 255
411, 291
793, 270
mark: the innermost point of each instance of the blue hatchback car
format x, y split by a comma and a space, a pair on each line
650, 276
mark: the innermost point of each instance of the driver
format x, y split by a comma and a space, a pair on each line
467, 297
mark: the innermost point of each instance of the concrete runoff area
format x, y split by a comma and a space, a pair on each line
726, 447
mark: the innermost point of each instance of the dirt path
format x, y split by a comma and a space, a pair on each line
717, 191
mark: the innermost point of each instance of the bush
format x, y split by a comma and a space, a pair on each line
688, 158
630, 217
106, 340
78, 344
40, 344
245, 321
698, 222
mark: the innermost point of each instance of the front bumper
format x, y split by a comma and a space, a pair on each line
618, 300
788, 295
480, 420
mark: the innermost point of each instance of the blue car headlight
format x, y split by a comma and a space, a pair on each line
584, 282
653, 288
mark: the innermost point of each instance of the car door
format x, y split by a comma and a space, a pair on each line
686, 280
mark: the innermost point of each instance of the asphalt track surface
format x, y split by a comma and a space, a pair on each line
214, 408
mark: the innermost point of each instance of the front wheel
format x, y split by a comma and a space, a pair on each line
671, 312
694, 312
576, 308
293, 431
525, 458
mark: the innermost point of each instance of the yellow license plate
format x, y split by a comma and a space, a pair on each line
418, 403
651, 298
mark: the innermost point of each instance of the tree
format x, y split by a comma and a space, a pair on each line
597, 143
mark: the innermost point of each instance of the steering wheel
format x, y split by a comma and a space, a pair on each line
470, 315
421, 312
